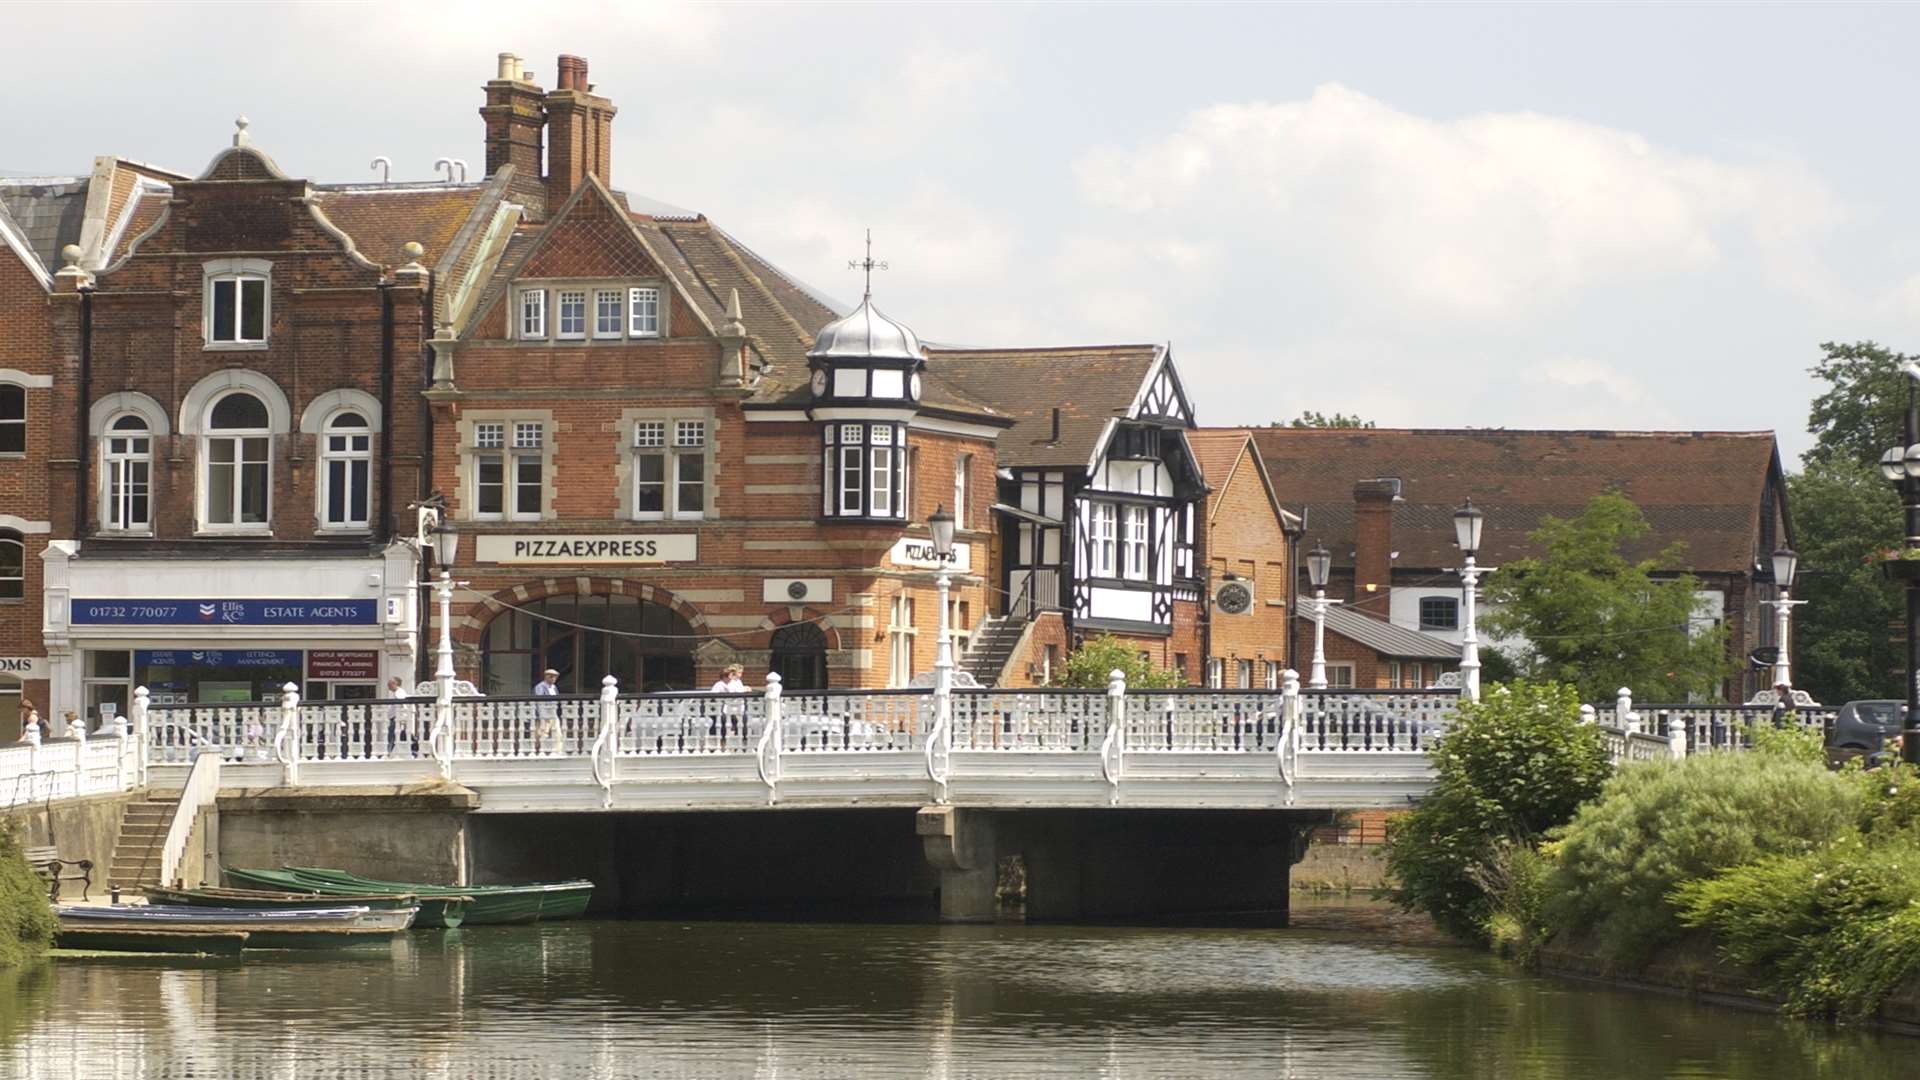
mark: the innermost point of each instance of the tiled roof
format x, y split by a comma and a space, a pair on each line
1218, 450
1380, 635
1700, 488
1089, 384
382, 219
48, 212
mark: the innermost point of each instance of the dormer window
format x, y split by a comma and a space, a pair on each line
237, 303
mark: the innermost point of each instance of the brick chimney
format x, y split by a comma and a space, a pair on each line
1373, 545
516, 120
579, 132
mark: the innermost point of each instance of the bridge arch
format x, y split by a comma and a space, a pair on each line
585, 628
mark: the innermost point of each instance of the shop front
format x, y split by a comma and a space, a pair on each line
227, 631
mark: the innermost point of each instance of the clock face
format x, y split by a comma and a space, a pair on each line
913, 386
1233, 598
819, 383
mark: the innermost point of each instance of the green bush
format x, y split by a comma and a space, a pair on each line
1094, 662
1834, 931
1662, 823
1516, 881
26, 919
1513, 766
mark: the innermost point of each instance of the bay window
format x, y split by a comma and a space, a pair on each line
864, 471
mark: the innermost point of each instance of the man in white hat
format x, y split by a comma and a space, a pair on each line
546, 732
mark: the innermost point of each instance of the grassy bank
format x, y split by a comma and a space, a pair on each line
26, 920
1802, 883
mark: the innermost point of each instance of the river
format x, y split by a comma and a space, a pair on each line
766, 1000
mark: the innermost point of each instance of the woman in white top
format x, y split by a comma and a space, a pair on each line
731, 683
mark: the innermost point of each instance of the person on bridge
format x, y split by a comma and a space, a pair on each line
731, 683
546, 732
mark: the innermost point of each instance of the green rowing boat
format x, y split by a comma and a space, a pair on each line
446, 912
114, 939
488, 904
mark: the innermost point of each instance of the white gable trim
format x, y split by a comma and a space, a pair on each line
18, 243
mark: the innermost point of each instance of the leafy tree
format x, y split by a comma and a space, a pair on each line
1864, 407
1513, 765
26, 922
1845, 516
1593, 619
1310, 419
1094, 662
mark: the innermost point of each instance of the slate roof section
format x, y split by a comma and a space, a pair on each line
1090, 385
1701, 488
47, 212
1380, 635
382, 219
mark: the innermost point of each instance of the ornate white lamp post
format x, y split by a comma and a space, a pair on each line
1785, 560
1467, 524
1319, 565
446, 548
940, 523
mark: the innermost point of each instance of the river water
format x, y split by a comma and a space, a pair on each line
765, 1000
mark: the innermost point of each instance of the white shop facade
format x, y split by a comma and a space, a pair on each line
224, 629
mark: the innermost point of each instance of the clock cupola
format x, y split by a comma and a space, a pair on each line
865, 371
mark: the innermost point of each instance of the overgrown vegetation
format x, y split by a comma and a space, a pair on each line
1512, 767
1662, 823
1094, 662
26, 919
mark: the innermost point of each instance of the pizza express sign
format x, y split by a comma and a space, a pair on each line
575, 549
919, 554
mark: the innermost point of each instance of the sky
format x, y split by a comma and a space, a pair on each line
1631, 217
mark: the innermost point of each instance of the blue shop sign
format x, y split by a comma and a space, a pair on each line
224, 612
217, 658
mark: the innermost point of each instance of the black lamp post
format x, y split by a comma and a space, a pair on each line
1901, 467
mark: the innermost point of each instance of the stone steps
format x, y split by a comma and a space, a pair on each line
136, 851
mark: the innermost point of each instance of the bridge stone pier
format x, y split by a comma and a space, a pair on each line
1114, 805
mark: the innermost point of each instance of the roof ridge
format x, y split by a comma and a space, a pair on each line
1600, 432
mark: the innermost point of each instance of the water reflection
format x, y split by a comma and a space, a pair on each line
797, 1002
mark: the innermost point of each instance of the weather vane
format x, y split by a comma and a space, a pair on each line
867, 263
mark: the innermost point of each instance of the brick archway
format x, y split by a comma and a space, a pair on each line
471, 623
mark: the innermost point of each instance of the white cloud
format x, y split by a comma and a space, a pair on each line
1587, 393
1486, 217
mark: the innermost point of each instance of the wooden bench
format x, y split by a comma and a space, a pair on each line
46, 862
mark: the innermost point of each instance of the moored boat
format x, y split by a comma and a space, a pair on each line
170, 940
434, 911
489, 904
266, 929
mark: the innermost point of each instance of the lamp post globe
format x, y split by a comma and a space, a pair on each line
1785, 562
1319, 565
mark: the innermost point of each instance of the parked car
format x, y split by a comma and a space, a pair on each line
1863, 728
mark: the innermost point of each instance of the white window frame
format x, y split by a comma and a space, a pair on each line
618, 314
560, 302
236, 272
1272, 674
643, 311
13, 588
1340, 675
1216, 673
900, 638
346, 457
533, 315
1243, 674
962, 481
1102, 522
238, 438
16, 421
512, 449
118, 458
1135, 523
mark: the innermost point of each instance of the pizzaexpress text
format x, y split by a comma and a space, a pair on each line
608, 548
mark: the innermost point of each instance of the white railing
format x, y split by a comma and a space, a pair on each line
202, 786
36, 771
683, 748
1650, 732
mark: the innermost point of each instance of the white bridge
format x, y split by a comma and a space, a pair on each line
1186, 749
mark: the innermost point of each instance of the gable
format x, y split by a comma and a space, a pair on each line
1162, 397
590, 239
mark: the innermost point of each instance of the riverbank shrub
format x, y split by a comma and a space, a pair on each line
26, 919
1513, 766
1662, 823
1833, 931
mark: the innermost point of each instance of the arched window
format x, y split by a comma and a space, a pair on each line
800, 656
238, 462
346, 457
13, 565
127, 474
647, 646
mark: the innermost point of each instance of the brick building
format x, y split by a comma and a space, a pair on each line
1382, 501
1252, 542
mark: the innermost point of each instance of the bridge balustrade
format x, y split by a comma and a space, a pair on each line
661, 724
1028, 719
